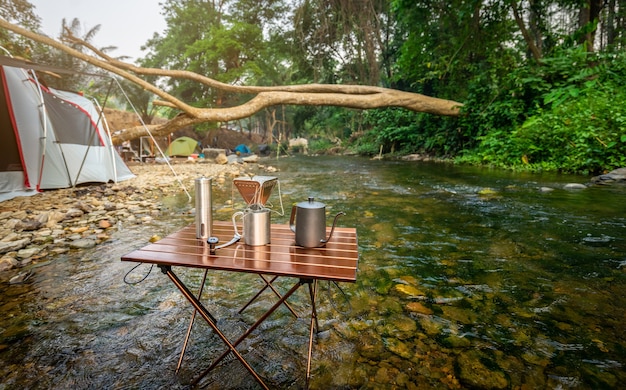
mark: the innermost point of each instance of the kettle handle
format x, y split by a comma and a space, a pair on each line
292, 219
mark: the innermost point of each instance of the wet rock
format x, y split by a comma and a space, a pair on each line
83, 243
597, 240
19, 214
78, 230
84, 207
28, 225
461, 315
615, 176
13, 245
11, 223
417, 307
104, 224
28, 252
109, 206
73, 213
475, 374
8, 262
408, 291
20, 278
456, 341
54, 217
399, 326
430, 325
574, 186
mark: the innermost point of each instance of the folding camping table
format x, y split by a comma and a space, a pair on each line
336, 261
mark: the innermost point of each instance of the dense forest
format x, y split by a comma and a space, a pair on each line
541, 82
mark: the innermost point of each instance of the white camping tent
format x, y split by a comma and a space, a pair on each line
51, 139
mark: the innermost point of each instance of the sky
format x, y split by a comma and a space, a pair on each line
126, 24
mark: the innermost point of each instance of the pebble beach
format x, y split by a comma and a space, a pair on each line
37, 227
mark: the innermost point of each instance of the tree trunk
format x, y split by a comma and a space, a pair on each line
534, 50
589, 13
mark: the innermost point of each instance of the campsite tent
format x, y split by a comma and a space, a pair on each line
183, 146
50, 139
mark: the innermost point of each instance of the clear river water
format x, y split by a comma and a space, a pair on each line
469, 278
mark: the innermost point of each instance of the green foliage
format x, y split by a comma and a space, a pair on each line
402, 131
328, 122
576, 122
320, 146
19, 12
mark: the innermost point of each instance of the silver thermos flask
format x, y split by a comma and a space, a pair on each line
204, 208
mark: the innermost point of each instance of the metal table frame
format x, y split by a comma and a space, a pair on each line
336, 261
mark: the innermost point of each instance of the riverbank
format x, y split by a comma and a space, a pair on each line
34, 228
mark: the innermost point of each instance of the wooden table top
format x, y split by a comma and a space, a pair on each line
337, 260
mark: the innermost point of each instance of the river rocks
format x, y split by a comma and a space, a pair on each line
419, 308
83, 243
615, 176
20, 277
475, 374
55, 222
14, 245
29, 252
8, 262
574, 186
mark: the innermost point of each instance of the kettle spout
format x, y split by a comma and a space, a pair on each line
333, 228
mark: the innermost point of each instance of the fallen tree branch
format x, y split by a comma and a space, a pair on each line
351, 96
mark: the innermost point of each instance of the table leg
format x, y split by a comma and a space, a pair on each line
251, 329
210, 320
193, 318
268, 284
314, 323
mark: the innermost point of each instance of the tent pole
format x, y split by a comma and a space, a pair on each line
44, 112
111, 146
93, 135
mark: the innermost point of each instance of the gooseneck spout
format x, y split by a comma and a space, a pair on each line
332, 229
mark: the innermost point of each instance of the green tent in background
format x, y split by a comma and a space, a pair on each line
183, 146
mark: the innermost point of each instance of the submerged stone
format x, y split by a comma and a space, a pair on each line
475, 374
407, 290
417, 307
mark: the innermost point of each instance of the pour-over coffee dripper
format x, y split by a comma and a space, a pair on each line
255, 192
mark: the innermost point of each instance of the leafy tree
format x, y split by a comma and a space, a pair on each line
23, 13
222, 40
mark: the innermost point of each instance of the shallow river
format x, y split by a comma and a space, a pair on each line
468, 278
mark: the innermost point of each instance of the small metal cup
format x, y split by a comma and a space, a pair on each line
256, 226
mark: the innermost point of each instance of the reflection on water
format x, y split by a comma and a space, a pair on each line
468, 278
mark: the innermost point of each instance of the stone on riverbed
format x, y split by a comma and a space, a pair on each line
475, 374
8, 262
575, 186
615, 176
83, 243
29, 252
11, 246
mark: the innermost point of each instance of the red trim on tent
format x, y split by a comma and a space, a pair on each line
14, 123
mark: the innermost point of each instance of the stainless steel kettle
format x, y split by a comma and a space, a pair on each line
310, 223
